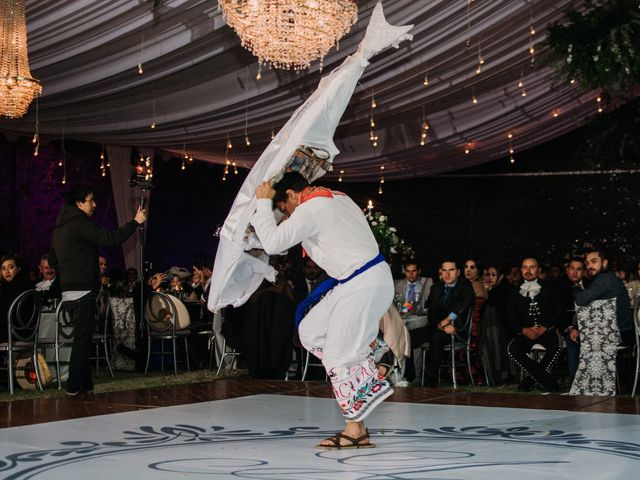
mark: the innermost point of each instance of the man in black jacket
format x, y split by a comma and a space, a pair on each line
74, 253
534, 312
605, 284
448, 306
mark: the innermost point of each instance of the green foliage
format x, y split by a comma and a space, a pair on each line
394, 249
601, 48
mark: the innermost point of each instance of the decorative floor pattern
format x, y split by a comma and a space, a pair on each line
272, 437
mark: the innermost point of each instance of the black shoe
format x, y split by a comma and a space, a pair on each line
526, 385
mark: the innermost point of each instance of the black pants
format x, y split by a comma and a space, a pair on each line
83, 314
437, 340
520, 346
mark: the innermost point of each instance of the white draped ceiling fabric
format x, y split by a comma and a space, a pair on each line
199, 85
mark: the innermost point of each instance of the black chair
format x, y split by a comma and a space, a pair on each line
460, 342
22, 323
163, 322
102, 336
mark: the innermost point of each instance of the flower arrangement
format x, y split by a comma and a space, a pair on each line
391, 245
600, 48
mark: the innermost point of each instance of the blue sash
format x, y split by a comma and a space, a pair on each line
316, 295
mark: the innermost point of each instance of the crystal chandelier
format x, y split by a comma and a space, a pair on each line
17, 88
289, 33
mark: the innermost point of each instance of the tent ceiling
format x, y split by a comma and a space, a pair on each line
199, 85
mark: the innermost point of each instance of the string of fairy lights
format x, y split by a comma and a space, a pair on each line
230, 166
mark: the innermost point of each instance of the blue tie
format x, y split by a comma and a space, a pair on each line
447, 290
411, 294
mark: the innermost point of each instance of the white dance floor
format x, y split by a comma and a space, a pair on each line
273, 437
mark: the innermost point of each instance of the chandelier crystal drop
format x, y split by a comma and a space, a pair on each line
17, 88
289, 34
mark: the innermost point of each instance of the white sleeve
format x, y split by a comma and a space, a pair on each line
278, 238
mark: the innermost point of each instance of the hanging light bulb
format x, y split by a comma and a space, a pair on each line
153, 125
140, 71
229, 145
340, 177
259, 74
373, 102
425, 82
474, 100
246, 141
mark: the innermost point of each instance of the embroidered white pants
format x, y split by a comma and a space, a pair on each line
341, 330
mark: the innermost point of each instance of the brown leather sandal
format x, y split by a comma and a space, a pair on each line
360, 442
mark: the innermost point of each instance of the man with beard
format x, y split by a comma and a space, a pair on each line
533, 313
605, 284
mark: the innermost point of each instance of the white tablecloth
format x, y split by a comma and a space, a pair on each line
124, 331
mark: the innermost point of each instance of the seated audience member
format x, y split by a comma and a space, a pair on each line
604, 298
515, 275
311, 276
49, 283
533, 314
569, 285
493, 337
472, 273
605, 284
12, 283
413, 286
105, 281
448, 306
129, 284
201, 279
201, 283
269, 326
633, 287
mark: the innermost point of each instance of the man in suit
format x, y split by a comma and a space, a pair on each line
413, 283
312, 276
448, 306
534, 311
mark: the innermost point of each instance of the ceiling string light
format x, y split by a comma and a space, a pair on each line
425, 82
227, 162
289, 34
103, 164
523, 92
373, 136
140, 70
246, 112
153, 120
17, 87
36, 136
187, 159
474, 99
425, 128
381, 179
532, 32
341, 174
63, 156
599, 104
480, 60
511, 150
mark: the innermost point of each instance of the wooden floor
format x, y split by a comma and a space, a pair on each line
28, 412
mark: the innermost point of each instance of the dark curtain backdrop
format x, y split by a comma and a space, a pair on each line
496, 219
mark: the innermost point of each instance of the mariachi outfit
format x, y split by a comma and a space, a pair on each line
341, 329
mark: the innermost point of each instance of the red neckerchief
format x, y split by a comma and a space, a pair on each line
308, 193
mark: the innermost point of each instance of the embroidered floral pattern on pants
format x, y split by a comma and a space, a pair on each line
359, 389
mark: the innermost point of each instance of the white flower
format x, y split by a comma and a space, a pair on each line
392, 229
392, 251
374, 223
382, 218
